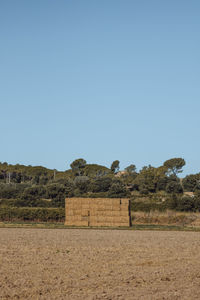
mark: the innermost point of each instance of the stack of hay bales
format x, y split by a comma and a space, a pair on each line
113, 212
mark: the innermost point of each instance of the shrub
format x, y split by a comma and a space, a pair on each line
32, 214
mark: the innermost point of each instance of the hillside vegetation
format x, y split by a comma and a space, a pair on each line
149, 189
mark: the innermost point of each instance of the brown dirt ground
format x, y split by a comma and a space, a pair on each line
99, 264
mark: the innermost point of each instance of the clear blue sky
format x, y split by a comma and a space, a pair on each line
101, 80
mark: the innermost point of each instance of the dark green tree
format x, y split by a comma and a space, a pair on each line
130, 169
174, 187
77, 166
100, 184
174, 165
82, 183
115, 166
191, 182
118, 189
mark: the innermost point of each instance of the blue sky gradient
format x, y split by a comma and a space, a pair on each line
101, 80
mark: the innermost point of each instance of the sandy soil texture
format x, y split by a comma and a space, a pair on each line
99, 264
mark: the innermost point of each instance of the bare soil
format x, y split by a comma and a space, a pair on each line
98, 264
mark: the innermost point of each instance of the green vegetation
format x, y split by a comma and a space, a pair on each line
25, 188
8, 214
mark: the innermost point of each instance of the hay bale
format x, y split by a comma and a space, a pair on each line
77, 218
108, 207
116, 201
92, 219
101, 219
109, 219
69, 212
85, 201
125, 201
101, 207
95, 224
81, 223
85, 206
124, 213
77, 212
116, 207
97, 212
76, 201
85, 212
123, 219
83, 218
116, 213
124, 207
69, 223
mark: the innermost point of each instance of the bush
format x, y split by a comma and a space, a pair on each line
32, 214
174, 187
147, 207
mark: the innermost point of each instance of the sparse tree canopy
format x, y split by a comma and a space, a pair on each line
115, 166
77, 165
174, 165
130, 169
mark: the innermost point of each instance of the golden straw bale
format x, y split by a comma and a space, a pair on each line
77, 212
77, 218
93, 219
68, 200
100, 224
84, 212
75, 201
107, 224
81, 223
108, 213
124, 213
103, 213
116, 219
109, 219
85, 206
116, 207
69, 213
101, 207
100, 219
116, 213
101, 201
85, 200
69, 223
69, 219
93, 223
124, 224
115, 201
77, 204
91, 200
125, 201
84, 218
98, 201
69, 206
124, 219
112, 224
97, 211
109, 201
124, 207
94, 206
93, 212
108, 207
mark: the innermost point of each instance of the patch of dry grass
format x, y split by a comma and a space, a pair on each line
168, 217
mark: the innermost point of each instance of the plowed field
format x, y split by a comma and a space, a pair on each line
99, 264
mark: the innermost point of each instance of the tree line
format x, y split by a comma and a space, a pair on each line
28, 186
